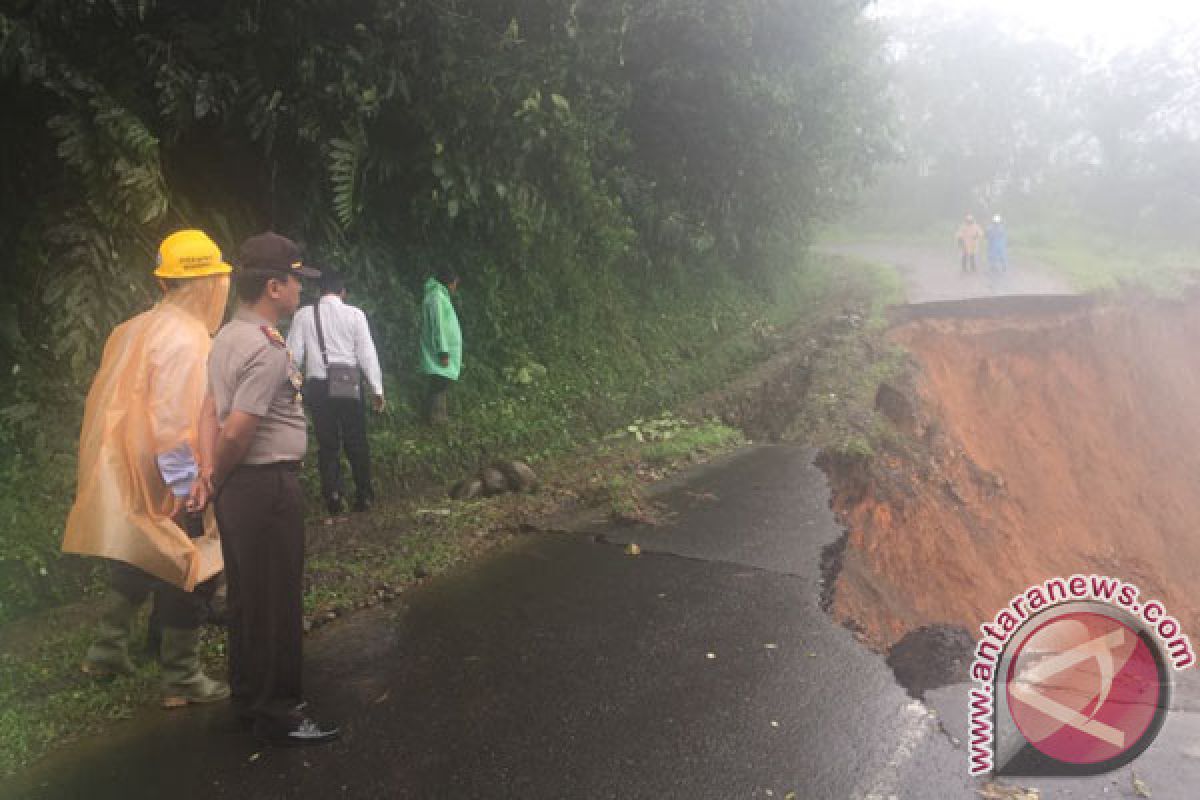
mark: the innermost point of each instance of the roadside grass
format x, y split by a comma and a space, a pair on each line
705, 439
1103, 265
647, 451
44, 698
845, 372
417, 533
1087, 259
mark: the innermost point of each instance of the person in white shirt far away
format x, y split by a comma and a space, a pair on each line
337, 421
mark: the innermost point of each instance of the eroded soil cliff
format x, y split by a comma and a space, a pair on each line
1036, 445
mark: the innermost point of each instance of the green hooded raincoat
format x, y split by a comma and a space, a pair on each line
439, 332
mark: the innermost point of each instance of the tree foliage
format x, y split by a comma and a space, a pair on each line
573, 157
691, 125
988, 119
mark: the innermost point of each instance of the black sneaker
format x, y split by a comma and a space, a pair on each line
335, 504
309, 731
298, 732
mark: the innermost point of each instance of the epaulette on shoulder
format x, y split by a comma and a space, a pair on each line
273, 336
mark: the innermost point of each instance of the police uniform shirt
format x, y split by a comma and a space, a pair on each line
249, 370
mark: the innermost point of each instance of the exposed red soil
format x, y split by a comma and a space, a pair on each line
1052, 445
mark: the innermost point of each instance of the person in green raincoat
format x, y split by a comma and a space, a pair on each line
441, 343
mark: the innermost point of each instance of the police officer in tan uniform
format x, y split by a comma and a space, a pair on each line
259, 503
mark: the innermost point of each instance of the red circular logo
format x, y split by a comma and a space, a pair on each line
1085, 688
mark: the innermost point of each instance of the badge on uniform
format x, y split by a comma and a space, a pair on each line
295, 378
273, 336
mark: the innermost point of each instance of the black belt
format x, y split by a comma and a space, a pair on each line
289, 466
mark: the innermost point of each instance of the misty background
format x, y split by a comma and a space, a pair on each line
1078, 122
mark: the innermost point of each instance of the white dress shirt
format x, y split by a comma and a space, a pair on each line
347, 341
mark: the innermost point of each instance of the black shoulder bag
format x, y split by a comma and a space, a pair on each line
343, 380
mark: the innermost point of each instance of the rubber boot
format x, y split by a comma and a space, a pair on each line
109, 653
184, 681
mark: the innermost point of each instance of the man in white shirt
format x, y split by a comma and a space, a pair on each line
337, 421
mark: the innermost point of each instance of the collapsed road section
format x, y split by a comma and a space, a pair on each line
1041, 437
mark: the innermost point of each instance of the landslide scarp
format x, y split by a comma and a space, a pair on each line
1047, 438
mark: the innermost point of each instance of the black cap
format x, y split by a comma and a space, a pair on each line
275, 254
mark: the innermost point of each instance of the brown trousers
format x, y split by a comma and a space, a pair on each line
260, 510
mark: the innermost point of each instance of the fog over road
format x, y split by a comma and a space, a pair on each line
932, 275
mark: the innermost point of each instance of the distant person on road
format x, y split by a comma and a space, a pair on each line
997, 245
143, 472
441, 343
969, 237
331, 337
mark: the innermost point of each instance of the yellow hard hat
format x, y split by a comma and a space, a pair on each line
189, 254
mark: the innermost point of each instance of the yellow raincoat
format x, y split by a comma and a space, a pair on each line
146, 400
969, 236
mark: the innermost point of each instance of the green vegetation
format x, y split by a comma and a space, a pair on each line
624, 186
655, 353
847, 368
661, 445
600, 458
1105, 263
43, 698
45, 701
684, 441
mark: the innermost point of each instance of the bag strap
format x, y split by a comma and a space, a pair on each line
321, 335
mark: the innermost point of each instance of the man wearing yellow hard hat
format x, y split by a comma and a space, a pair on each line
142, 500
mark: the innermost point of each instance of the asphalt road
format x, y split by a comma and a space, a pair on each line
560, 667
934, 275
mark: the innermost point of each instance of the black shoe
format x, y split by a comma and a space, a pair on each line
335, 504
299, 731
362, 505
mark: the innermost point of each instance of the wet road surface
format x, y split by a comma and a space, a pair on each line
560, 667
933, 275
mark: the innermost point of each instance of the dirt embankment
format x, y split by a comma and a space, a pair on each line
1047, 444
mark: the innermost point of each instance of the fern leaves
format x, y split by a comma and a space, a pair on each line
345, 173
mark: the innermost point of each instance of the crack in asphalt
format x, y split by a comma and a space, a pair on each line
601, 539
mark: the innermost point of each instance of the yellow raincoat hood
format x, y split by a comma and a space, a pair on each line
145, 400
